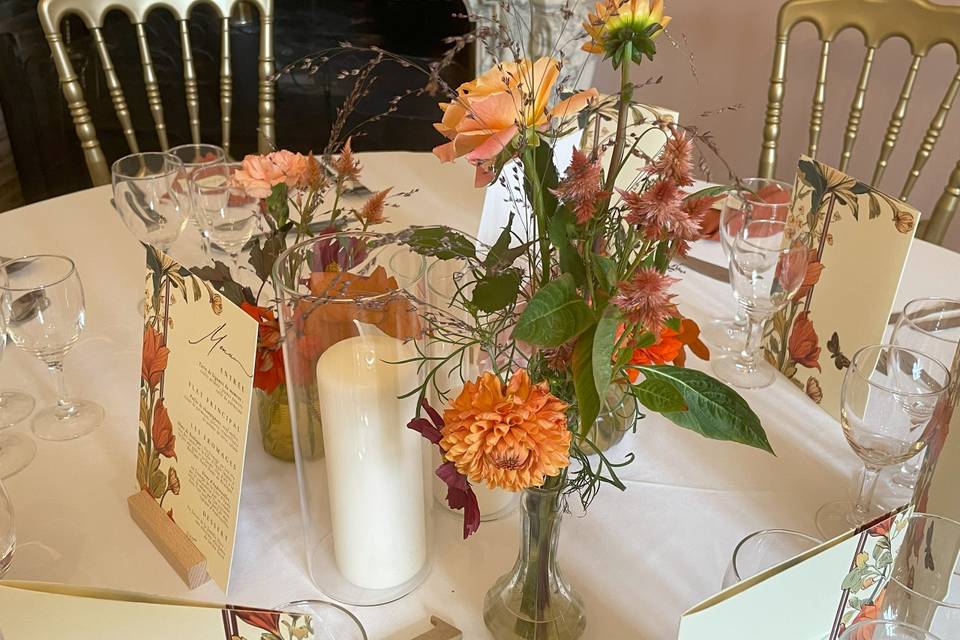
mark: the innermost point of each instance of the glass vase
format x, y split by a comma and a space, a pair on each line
618, 414
276, 432
534, 601
351, 328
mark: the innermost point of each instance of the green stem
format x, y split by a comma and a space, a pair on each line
626, 96
536, 189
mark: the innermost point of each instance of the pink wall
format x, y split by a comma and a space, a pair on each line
732, 46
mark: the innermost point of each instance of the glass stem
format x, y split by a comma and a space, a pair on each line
740, 320
748, 355
65, 407
868, 484
205, 241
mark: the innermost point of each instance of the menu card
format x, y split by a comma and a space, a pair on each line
814, 596
196, 389
80, 613
858, 240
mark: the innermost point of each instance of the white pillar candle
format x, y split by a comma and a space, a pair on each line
374, 463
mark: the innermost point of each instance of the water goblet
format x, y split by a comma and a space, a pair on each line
930, 325
41, 299
885, 630
194, 157
758, 199
762, 550
924, 588
8, 535
766, 270
228, 214
886, 405
149, 194
330, 621
16, 449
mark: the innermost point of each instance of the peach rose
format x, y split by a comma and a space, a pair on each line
257, 176
294, 166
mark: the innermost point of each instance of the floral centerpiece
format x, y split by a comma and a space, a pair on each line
574, 299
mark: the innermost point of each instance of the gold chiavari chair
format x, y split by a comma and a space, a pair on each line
923, 25
92, 12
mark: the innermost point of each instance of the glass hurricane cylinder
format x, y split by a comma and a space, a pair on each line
349, 317
534, 601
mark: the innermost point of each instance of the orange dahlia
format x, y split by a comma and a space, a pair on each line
510, 437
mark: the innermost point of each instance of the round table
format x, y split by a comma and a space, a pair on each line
639, 558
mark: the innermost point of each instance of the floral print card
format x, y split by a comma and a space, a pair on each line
196, 389
94, 614
815, 596
858, 240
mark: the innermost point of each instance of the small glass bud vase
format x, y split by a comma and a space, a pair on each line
534, 601
275, 429
349, 311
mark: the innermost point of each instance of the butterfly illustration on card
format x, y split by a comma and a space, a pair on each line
840, 361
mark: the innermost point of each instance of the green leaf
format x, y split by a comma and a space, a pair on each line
710, 192
660, 396
441, 242
262, 258
662, 259
606, 271
547, 172
278, 204
714, 409
813, 177
554, 315
494, 292
501, 255
570, 260
588, 400
604, 340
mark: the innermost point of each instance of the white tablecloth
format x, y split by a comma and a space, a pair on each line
639, 558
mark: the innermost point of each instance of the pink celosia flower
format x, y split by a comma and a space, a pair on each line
346, 166
675, 162
372, 210
580, 187
645, 299
656, 210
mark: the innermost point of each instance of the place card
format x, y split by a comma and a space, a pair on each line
81, 613
196, 389
858, 241
815, 596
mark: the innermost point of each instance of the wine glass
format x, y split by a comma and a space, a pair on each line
766, 270
16, 449
930, 325
886, 630
8, 535
330, 621
228, 214
149, 194
760, 199
41, 299
924, 588
194, 157
886, 403
762, 550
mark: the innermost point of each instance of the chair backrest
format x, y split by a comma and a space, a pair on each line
93, 12
923, 25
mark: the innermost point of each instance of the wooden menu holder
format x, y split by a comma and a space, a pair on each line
169, 539
441, 631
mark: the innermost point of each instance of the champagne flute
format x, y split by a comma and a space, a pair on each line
930, 325
228, 214
149, 195
16, 449
766, 270
762, 199
195, 157
41, 299
886, 403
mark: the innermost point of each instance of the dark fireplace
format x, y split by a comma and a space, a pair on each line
45, 146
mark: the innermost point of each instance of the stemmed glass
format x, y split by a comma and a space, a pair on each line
886, 630
8, 535
924, 588
329, 620
766, 270
930, 325
195, 157
150, 195
16, 449
228, 214
762, 550
886, 403
41, 299
760, 199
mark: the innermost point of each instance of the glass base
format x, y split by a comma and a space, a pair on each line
906, 475
17, 450
328, 620
837, 517
49, 425
731, 370
15, 407
724, 334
